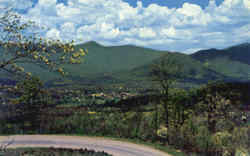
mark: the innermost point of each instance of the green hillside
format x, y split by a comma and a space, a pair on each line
101, 59
192, 70
233, 62
132, 64
99, 64
239, 53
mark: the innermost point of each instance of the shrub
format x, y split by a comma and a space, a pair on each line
53, 152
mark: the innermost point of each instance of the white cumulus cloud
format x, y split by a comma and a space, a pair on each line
116, 22
17, 4
47, 2
53, 34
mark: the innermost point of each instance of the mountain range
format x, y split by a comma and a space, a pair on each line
232, 62
128, 63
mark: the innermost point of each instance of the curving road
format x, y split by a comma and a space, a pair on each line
116, 148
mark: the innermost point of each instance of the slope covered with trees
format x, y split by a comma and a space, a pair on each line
108, 64
233, 62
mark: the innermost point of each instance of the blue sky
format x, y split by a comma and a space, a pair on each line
175, 25
168, 3
172, 3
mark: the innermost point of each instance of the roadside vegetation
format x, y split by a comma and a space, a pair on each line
52, 152
212, 120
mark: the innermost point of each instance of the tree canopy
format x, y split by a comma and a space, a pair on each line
22, 43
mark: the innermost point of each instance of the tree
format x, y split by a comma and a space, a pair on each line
217, 103
216, 108
20, 43
181, 107
31, 103
165, 74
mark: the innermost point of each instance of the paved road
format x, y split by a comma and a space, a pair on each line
116, 148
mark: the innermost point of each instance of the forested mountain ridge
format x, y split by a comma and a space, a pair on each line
128, 63
232, 62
